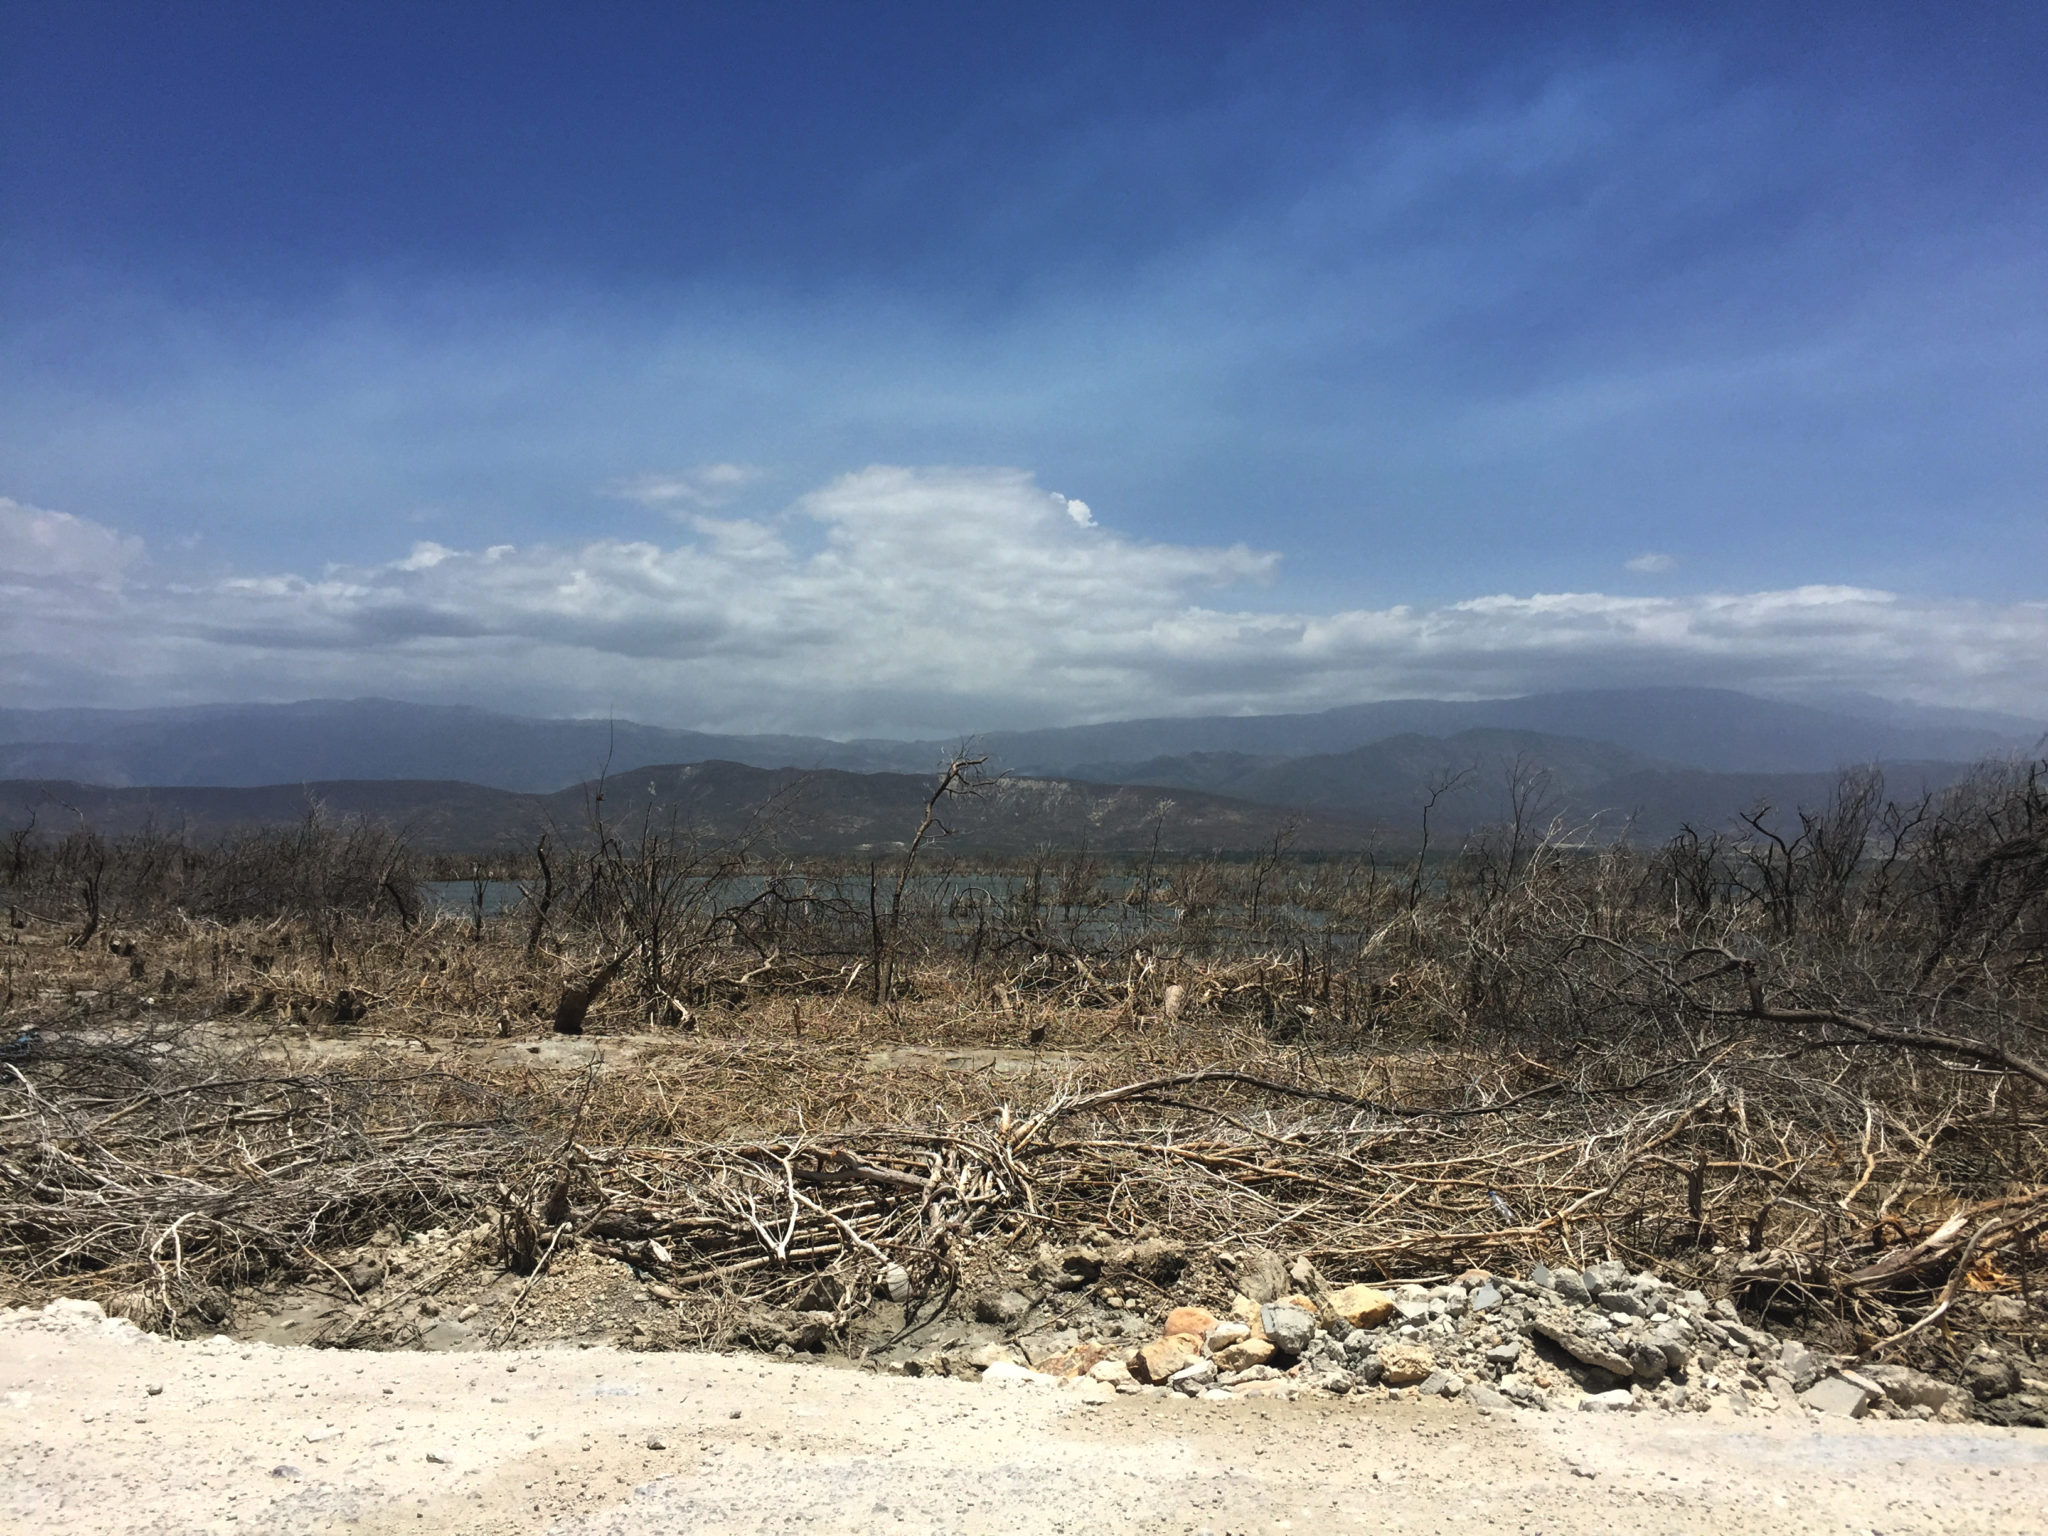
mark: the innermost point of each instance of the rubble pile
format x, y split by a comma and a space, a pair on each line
1603, 1340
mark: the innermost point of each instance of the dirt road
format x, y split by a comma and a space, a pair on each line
104, 1430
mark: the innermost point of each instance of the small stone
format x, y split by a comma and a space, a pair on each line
1539, 1274
1157, 1361
1002, 1309
1227, 1333
1071, 1362
1836, 1395
1404, 1364
1617, 1401
1800, 1365
1193, 1376
1244, 1354
1289, 1329
1262, 1276
994, 1354
1114, 1372
1568, 1284
1627, 1303
288, 1471
155, 1390
1362, 1306
1441, 1383
1484, 1398
2002, 1311
441, 1458
1485, 1299
1908, 1388
655, 1443
1607, 1275
1990, 1376
1646, 1363
1412, 1311
1585, 1350
1193, 1320
1504, 1355
364, 1277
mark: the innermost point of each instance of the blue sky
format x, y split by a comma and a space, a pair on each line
721, 364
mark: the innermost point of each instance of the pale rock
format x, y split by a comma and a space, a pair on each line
1617, 1401
1404, 1364
1837, 1395
1362, 1306
1227, 1333
1262, 1276
1158, 1360
1801, 1365
1244, 1354
1585, 1350
1908, 1388
1290, 1329
1607, 1275
1113, 1372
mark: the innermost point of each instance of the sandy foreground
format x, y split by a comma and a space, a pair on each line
106, 1430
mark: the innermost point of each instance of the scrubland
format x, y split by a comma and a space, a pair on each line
1804, 1067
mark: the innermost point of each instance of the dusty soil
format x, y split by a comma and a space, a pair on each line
105, 1430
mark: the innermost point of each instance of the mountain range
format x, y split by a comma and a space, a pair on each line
325, 739
1642, 760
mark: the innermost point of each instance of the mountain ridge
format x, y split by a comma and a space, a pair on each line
1718, 730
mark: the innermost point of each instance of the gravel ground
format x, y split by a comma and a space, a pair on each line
105, 1430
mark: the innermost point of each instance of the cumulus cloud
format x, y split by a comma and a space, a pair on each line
1651, 564
934, 600
55, 546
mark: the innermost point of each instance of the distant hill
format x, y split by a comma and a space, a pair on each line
247, 745
820, 812
1711, 728
329, 740
1595, 788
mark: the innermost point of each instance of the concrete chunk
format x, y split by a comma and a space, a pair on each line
1839, 1396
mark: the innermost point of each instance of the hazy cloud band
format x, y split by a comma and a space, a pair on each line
928, 600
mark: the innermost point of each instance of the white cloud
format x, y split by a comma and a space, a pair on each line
932, 600
710, 485
57, 546
1651, 564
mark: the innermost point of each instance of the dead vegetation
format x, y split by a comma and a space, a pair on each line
1805, 1065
